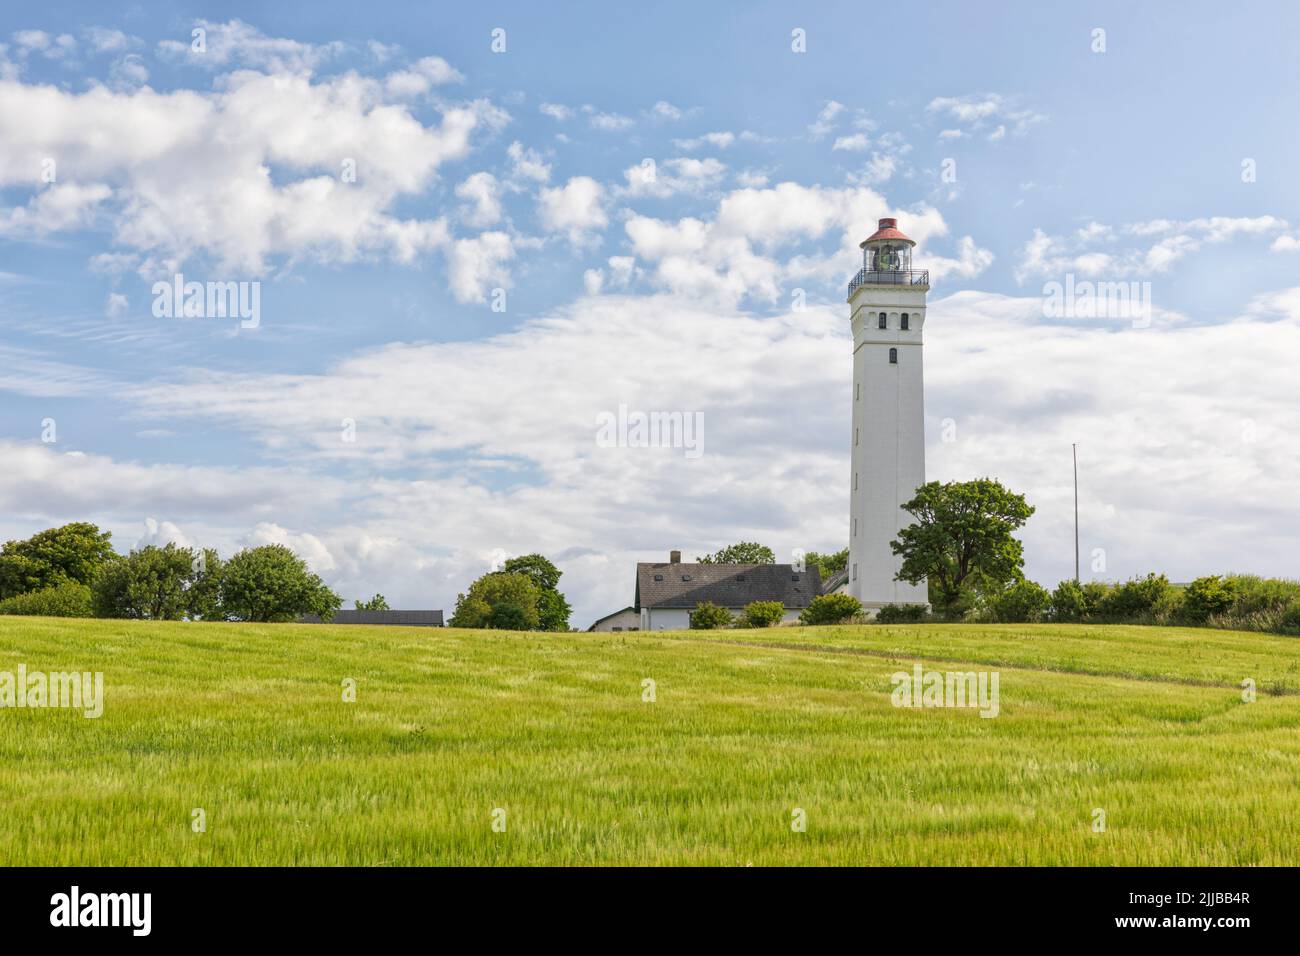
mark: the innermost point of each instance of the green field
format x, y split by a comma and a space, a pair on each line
248, 723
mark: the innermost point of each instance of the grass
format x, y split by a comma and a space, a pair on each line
247, 723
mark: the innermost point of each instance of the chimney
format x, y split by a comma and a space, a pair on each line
674, 557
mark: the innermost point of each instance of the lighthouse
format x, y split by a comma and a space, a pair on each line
887, 315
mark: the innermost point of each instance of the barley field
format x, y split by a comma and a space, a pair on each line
550, 738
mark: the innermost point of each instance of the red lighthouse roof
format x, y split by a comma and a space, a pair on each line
888, 230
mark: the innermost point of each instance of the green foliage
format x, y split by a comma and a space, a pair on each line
1075, 602
743, 552
72, 552
1022, 602
828, 564
376, 603
1207, 597
500, 600
1148, 599
67, 599
270, 584
962, 539
831, 609
1290, 619
552, 609
901, 614
762, 614
151, 584
708, 617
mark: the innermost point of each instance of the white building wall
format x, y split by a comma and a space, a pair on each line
888, 439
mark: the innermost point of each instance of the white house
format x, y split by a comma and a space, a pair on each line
887, 315
667, 593
625, 620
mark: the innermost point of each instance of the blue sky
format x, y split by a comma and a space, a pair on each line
525, 171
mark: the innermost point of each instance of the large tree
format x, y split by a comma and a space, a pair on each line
150, 584
743, 552
829, 564
962, 539
271, 583
552, 609
500, 600
72, 552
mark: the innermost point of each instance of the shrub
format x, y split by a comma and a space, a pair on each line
1207, 597
1145, 599
1290, 620
1024, 601
763, 614
901, 614
831, 609
69, 599
709, 617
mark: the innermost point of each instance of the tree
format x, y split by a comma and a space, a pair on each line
962, 538
270, 584
72, 552
829, 564
552, 609
376, 603
743, 552
149, 584
831, 609
501, 600
762, 614
708, 616
1148, 599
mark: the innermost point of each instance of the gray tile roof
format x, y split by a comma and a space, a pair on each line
407, 618
727, 585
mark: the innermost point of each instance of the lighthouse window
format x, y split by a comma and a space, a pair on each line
904, 324
855, 572
893, 356
857, 391
855, 436
884, 321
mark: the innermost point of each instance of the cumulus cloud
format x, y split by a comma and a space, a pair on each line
976, 113
576, 208
189, 173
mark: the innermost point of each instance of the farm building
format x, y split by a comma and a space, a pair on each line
667, 593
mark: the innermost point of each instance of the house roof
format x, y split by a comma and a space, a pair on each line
835, 581
601, 620
727, 585
408, 618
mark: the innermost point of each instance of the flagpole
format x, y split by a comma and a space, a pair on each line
1075, 448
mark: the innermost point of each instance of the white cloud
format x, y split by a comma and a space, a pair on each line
189, 172
527, 164
159, 534
556, 111
609, 122
475, 266
737, 254
482, 192
826, 119
678, 175
1134, 250
665, 110
59, 206
116, 305
576, 208
236, 43
857, 142
977, 112
421, 77
720, 139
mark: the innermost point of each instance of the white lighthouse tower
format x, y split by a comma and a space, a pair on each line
887, 314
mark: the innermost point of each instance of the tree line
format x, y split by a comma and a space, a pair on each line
73, 571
